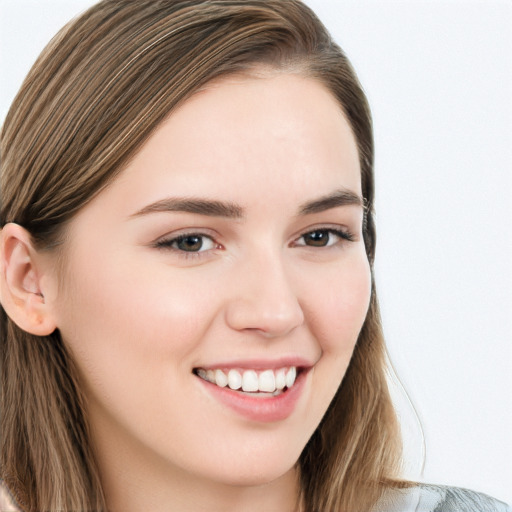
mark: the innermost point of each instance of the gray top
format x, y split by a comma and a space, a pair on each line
438, 498
421, 498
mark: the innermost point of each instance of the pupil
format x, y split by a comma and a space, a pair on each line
190, 243
317, 238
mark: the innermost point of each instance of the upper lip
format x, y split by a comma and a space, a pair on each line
260, 364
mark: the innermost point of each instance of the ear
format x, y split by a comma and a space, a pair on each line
22, 282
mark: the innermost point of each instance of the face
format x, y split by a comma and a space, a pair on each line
228, 253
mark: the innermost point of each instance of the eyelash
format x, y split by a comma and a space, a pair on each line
167, 244
344, 235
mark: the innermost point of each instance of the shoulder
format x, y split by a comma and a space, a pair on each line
453, 499
7, 504
438, 498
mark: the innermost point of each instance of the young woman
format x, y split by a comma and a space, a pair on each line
189, 319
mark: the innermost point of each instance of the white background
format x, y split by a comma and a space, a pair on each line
438, 75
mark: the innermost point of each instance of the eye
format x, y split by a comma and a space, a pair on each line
323, 237
190, 242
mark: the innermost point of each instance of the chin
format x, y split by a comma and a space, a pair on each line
246, 471
256, 477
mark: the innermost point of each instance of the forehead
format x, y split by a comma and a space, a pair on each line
268, 144
240, 126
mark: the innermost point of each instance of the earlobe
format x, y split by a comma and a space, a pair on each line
21, 284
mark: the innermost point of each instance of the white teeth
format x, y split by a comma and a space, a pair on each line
250, 381
220, 379
290, 376
281, 378
267, 381
234, 379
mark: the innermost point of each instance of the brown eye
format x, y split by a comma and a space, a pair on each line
318, 238
324, 238
189, 243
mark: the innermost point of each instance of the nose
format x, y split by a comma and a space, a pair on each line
263, 300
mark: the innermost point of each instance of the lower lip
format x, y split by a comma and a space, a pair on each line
260, 409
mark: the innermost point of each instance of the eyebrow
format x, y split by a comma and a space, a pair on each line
342, 197
211, 208
214, 208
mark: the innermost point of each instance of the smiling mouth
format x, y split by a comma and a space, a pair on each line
264, 383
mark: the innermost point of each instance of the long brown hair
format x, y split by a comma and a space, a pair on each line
94, 96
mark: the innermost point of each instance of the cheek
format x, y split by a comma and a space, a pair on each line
133, 334
337, 313
126, 299
123, 324
339, 307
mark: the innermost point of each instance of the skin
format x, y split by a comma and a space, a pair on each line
139, 318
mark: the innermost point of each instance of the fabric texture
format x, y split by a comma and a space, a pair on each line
420, 498
438, 498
